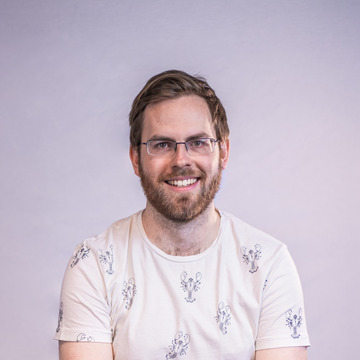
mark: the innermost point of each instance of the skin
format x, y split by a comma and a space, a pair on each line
179, 120
85, 351
290, 353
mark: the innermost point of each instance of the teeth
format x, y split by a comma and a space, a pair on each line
182, 183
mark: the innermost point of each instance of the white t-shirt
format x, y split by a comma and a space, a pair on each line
240, 295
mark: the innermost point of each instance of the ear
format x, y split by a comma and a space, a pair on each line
134, 157
224, 153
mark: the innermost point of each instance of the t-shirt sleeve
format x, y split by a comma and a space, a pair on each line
84, 313
282, 317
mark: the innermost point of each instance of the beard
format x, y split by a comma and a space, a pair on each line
180, 208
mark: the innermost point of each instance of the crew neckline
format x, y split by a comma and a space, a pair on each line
176, 258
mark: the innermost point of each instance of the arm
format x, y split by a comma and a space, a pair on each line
84, 330
282, 332
69, 350
288, 353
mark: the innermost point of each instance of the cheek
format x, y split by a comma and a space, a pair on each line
211, 166
152, 167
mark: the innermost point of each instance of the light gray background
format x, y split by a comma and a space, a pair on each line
288, 75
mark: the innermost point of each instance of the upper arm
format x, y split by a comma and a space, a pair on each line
282, 323
287, 353
69, 350
85, 313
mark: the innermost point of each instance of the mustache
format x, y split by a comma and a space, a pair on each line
182, 173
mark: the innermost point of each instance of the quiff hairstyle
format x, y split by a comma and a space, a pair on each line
173, 84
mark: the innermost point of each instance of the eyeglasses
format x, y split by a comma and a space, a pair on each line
167, 148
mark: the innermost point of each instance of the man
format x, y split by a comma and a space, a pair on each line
181, 279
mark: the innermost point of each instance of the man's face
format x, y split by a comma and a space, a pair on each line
179, 187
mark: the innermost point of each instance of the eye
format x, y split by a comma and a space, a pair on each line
161, 145
197, 143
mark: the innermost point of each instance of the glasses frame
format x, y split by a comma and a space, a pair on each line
212, 140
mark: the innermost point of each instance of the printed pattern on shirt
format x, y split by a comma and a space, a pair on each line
81, 254
107, 258
85, 338
129, 292
294, 321
179, 345
251, 257
60, 317
223, 317
190, 285
265, 284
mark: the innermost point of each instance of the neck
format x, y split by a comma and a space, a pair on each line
181, 238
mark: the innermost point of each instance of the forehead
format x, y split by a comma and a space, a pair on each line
178, 118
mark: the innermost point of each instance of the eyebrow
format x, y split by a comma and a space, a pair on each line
192, 137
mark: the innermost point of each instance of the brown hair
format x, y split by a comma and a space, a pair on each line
172, 84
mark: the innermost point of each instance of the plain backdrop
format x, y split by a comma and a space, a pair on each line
288, 75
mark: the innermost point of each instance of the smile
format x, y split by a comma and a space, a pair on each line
182, 183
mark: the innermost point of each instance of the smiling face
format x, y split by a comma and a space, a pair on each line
179, 187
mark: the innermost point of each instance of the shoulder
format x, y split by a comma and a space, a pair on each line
118, 232
247, 233
252, 245
102, 247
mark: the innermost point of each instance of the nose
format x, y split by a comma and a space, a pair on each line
181, 157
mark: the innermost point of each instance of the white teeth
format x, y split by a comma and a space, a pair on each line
182, 183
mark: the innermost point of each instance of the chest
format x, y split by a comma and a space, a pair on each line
204, 309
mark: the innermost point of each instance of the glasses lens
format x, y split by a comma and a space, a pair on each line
161, 147
200, 146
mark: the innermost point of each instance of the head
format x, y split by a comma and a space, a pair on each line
194, 109
173, 84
